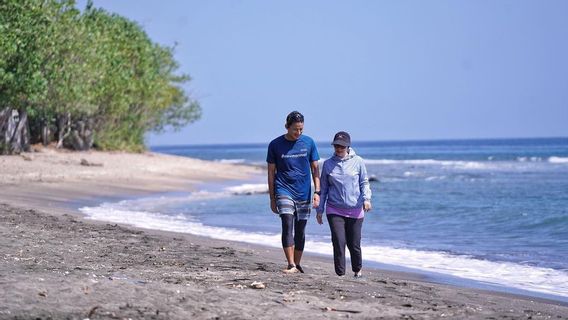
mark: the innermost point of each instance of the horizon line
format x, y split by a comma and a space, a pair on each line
363, 141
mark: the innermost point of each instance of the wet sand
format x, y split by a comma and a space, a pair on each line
57, 265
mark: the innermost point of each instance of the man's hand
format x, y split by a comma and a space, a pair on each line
273, 205
316, 201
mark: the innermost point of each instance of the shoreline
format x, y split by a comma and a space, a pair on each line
406, 272
156, 274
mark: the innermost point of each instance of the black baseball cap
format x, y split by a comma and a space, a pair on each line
342, 138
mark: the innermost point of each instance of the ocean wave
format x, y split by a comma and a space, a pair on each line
175, 223
231, 161
247, 189
457, 164
558, 159
537, 279
153, 202
544, 280
413, 161
436, 178
520, 163
427, 176
529, 159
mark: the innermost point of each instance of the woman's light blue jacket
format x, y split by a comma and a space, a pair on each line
344, 182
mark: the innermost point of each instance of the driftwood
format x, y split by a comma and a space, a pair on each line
86, 163
14, 132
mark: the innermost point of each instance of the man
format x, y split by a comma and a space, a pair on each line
292, 164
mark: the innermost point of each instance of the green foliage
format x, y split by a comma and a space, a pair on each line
55, 60
24, 38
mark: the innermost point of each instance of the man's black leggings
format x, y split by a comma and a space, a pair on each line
346, 231
293, 232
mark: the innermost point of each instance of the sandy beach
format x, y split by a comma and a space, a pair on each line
57, 265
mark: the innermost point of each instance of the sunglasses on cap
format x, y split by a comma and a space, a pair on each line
295, 117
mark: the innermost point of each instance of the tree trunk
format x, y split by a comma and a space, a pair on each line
45, 132
14, 133
63, 128
5, 131
82, 135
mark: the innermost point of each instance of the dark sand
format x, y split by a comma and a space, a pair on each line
57, 265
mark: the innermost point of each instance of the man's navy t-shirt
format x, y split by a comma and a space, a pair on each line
293, 171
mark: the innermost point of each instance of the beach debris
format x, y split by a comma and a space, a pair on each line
86, 163
92, 311
86, 289
340, 310
27, 158
257, 285
43, 294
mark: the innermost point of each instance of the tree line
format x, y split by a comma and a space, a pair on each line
87, 78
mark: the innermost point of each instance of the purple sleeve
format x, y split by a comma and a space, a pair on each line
324, 188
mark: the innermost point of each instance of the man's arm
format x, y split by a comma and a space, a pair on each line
271, 191
316, 177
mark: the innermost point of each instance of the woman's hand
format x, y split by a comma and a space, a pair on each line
367, 206
319, 218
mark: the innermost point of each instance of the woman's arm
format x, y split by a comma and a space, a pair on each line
365, 186
324, 192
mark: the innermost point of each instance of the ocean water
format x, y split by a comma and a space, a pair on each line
489, 212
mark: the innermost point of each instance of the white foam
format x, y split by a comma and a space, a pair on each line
558, 159
529, 159
413, 161
231, 161
149, 203
544, 280
246, 189
435, 178
519, 164
514, 275
432, 162
177, 223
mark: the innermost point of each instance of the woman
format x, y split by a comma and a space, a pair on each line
345, 196
292, 165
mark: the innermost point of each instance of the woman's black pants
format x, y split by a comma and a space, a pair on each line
346, 231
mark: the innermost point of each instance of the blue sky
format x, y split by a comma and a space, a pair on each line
381, 70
